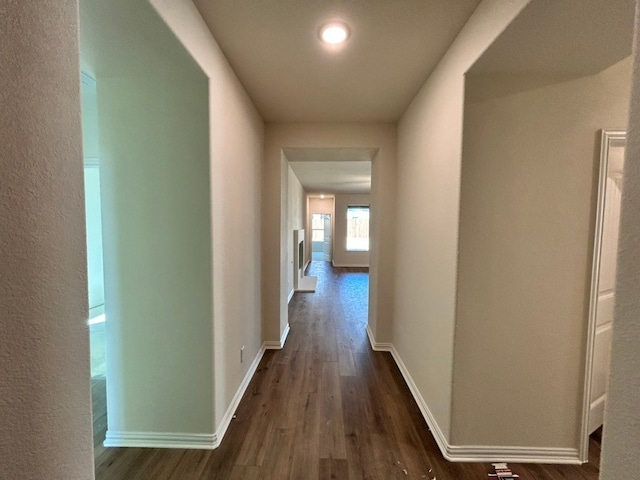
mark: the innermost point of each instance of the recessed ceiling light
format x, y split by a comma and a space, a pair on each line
334, 33
322, 196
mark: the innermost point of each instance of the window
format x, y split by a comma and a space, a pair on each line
357, 228
317, 227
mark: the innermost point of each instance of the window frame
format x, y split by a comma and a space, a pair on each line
352, 249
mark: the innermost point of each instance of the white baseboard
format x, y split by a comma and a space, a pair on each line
378, 346
200, 441
290, 296
489, 454
474, 453
228, 416
277, 345
345, 265
436, 431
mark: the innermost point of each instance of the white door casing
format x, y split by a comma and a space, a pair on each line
326, 248
603, 281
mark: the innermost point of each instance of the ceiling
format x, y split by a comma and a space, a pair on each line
332, 170
274, 48
333, 177
568, 38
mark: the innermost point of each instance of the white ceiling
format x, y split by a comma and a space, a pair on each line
273, 47
332, 170
568, 38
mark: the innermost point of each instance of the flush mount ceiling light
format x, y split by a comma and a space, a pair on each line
334, 33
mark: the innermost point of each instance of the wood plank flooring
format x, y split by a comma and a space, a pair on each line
99, 403
324, 407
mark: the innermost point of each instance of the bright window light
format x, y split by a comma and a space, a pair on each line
358, 228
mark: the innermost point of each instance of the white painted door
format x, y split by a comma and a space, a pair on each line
326, 246
606, 285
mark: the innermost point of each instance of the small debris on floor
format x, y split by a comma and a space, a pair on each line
502, 472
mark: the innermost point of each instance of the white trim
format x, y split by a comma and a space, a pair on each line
489, 454
277, 345
96, 320
436, 431
233, 406
201, 441
474, 453
378, 346
338, 265
607, 137
290, 296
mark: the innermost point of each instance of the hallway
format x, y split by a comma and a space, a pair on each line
326, 406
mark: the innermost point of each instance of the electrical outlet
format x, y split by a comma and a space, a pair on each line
242, 354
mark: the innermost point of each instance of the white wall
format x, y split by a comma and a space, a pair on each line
154, 147
341, 257
296, 220
429, 157
236, 135
274, 207
528, 202
45, 400
621, 442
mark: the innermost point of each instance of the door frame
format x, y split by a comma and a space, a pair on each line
608, 139
330, 236
310, 220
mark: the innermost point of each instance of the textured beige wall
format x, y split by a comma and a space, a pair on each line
528, 201
342, 258
429, 157
621, 442
274, 209
45, 401
236, 149
296, 219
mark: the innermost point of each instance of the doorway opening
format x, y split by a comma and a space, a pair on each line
95, 264
321, 237
612, 153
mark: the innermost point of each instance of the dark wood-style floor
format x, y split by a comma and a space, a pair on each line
324, 407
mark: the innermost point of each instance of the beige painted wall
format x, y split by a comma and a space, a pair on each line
341, 257
528, 201
621, 442
236, 147
296, 219
45, 401
429, 157
274, 205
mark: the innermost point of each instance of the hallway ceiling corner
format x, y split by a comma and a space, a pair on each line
332, 170
274, 48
